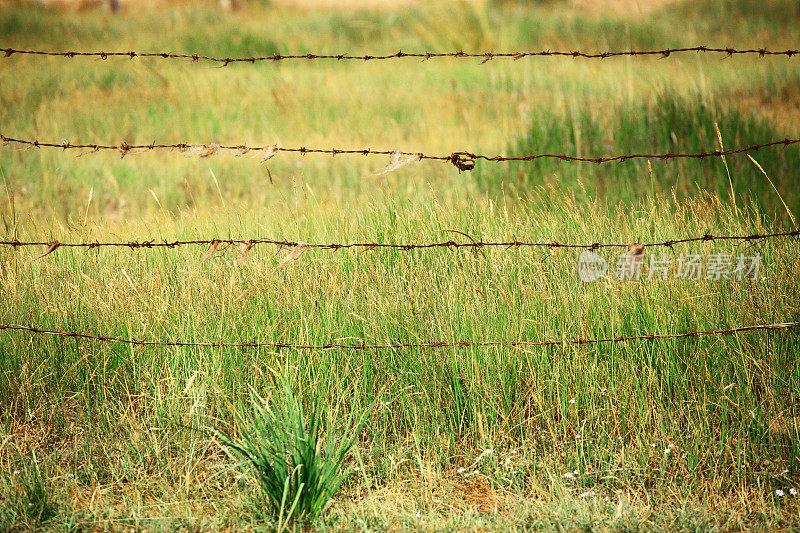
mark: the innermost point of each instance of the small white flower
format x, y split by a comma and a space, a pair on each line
16, 472
618, 491
356, 468
572, 400
793, 491
419, 515
779, 492
667, 450
587, 494
461, 470
575, 472
568, 475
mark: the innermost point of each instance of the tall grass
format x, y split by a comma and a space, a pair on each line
725, 403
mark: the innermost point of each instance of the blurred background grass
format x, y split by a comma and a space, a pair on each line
112, 426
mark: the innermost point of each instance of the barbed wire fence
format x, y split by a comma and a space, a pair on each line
463, 161
398, 345
483, 56
247, 244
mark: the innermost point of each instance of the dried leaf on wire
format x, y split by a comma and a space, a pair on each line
212, 249
93, 150
636, 249
395, 162
201, 150
294, 254
52, 247
245, 247
269, 153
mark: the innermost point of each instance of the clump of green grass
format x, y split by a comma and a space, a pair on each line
30, 500
298, 467
670, 125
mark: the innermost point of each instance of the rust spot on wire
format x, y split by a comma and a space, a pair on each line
462, 161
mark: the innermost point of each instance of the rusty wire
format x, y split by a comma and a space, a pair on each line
395, 345
483, 56
247, 244
461, 160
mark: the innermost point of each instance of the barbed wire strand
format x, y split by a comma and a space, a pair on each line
461, 160
247, 244
483, 56
362, 346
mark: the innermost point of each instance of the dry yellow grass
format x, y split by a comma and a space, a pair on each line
621, 7
602, 7
346, 4
150, 4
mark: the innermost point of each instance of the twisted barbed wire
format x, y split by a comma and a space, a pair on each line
396, 345
483, 56
247, 244
461, 160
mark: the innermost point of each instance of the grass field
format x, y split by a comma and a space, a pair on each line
689, 434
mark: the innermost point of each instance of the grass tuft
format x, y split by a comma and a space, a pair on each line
297, 467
